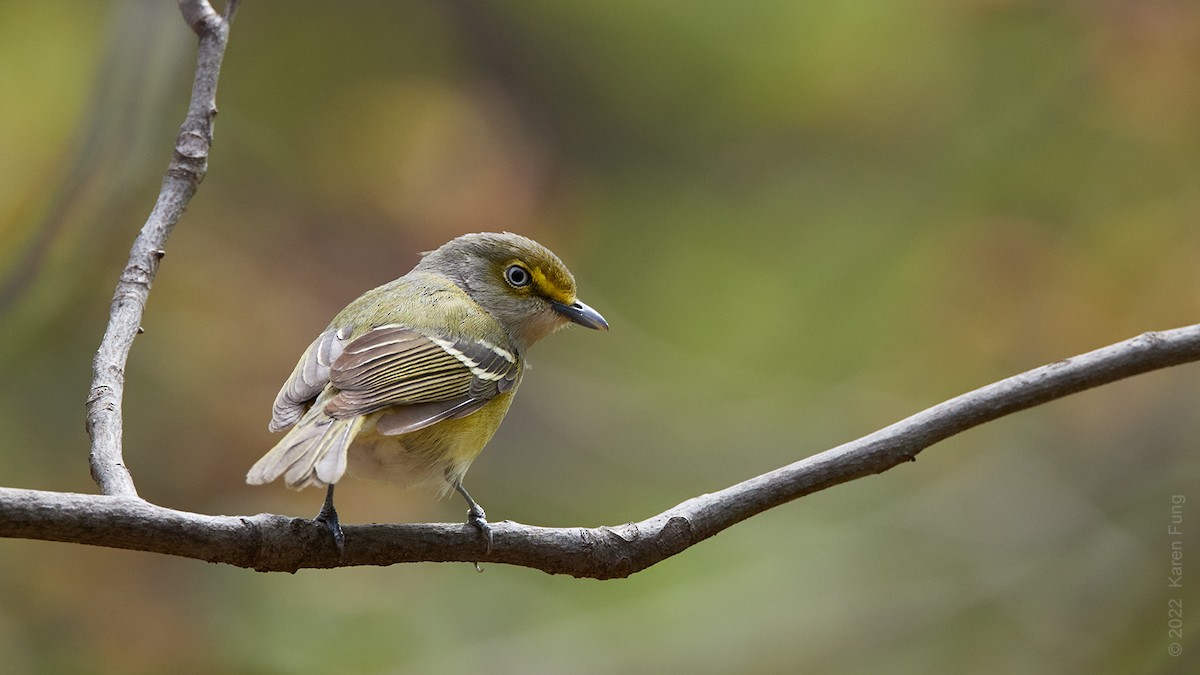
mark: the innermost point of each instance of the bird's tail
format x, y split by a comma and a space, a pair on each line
312, 453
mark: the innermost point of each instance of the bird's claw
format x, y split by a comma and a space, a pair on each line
335, 529
329, 518
478, 518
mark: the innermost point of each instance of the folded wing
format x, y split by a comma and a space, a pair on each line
423, 378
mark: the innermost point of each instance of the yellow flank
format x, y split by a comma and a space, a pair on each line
438, 454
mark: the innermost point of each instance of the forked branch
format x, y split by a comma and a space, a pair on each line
120, 519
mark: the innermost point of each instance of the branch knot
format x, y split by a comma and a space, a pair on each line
192, 144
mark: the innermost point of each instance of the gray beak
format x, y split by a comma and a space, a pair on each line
581, 314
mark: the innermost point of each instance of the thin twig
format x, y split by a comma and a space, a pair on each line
277, 543
188, 165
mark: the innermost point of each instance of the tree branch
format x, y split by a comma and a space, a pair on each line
120, 519
188, 165
268, 542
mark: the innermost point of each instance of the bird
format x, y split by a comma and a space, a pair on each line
410, 381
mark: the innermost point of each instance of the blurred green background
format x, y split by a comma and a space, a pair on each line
804, 221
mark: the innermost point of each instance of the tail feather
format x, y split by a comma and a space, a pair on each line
313, 453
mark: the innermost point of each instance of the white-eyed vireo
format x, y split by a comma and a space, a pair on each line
410, 381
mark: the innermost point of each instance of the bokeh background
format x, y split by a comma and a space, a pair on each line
804, 221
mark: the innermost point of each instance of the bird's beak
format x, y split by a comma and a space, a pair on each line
581, 314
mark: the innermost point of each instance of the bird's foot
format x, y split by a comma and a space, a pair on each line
329, 518
477, 517
475, 514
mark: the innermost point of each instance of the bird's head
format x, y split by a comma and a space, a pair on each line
521, 283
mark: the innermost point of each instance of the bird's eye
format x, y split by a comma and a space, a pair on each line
517, 276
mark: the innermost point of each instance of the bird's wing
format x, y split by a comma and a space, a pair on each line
307, 380
427, 378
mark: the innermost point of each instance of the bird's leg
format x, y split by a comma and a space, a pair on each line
475, 514
329, 518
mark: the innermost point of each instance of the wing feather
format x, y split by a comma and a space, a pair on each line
309, 377
426, 378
